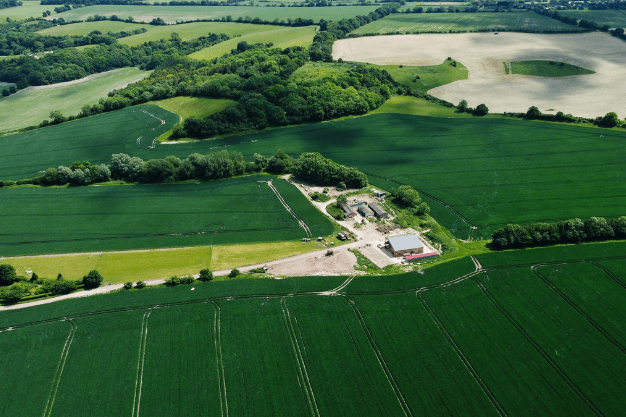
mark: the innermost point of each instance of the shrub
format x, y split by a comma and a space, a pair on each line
13, 293
7, 274
481, 110
128, 285
63, 286
188, 279
235, 272
205, 275
34, 277
93, 279
140, 284
172, 282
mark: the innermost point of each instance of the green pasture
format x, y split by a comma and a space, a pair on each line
32, 105
142, 265
541, 68
194, 106
412, 344
173, 14
85, 28
279, 36
419, 107
405, 23
612, 18
105, 218
26, 10
426, 77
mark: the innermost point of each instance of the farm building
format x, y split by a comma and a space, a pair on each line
366, 211
379, 211
404, 245
348, 211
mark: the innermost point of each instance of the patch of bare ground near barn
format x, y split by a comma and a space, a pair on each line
483, 54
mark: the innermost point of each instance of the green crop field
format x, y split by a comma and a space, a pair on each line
85, 28
173, 14
464, 22
194, 106
427, 77
612, 18
419, 107
488, 171
454, 340
279, 36
547, 69
68, 220
32, 105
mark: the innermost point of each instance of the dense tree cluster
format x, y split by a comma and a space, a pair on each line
94, 2
407, 197
313, 167
609, 120
568, 231
70, 64
5, 4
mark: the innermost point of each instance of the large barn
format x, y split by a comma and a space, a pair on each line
404, 245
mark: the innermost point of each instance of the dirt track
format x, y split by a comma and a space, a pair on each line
484, 53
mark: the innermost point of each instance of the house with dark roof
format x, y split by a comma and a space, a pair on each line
379, 211
348, 211
365, 211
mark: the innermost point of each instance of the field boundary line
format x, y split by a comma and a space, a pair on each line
536, 346
290, 210
303, 375
468, 365
56, 381
219, 358
573, 305
141, 362
379, 356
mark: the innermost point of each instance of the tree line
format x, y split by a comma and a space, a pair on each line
311, 167
609, 120
5, 4
568, 231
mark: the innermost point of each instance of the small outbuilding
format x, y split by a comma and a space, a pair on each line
366, 211
379, 211
404, 245
349, 213
378, 193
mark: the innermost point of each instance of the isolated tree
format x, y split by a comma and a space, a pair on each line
481, 110
93, 279
128, 285
57, 117
533, 112
7, 274
34, 277
205, 275
140, 284
406, 196
462, 106
235, 272
341, 200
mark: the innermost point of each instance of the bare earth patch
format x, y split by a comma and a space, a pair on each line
484, 53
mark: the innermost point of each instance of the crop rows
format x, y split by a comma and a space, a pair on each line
64, 220
464, 22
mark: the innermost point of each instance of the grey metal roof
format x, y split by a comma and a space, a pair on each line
377, 209
399, 243
347, 209
366, 211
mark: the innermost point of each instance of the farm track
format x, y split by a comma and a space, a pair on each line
290, 210
572, 304
217, 331
303, 375
141, 362
379, 356
536, 346
59, 372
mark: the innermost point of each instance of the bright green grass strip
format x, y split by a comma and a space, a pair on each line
26, 10
194, 106
86, 219
188, 331
565, 335
32, 105
315, 71
102, 359
429, 76
421, 374
418, 106
547, 69
260, 366
280, 37
464, 22
492, 344
172, 14
39, 351
85, 28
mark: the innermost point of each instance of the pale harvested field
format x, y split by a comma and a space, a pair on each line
484, 53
